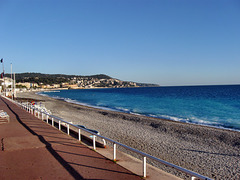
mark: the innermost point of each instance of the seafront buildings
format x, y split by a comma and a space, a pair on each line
71, 83
6, 85
39, 81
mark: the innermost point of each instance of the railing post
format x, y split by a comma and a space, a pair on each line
68, 129
59, 125
104, 143
144, 167
38, 114
42, 116
94, 142
79, 134
114, 151
52, 121
47, 119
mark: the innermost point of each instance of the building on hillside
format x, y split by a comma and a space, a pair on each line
54, 86
64, 85
28, 85
73, 86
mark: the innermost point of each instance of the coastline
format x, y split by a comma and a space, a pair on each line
210, 151
145, 115
177, 117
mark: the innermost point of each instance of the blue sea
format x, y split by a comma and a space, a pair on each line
217, 106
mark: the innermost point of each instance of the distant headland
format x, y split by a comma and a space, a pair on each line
52, 81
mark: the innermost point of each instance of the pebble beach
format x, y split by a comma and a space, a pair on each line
212, 152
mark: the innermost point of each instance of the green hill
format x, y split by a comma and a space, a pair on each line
52, 78
99, 80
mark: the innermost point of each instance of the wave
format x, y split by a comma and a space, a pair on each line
192, 120
135, 113
122, 109
198, 121
50, 91
83, 104
41, 94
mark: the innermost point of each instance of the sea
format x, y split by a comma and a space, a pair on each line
216, 106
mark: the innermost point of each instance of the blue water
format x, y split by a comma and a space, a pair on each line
217, 106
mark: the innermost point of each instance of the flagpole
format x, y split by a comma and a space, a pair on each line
11, 82
14, 85
5, 87
2, 76
2, 65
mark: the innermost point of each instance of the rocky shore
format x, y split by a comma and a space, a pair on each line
212, 152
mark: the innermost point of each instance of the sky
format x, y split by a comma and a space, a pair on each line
167, 42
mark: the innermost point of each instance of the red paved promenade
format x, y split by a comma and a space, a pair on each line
32, 149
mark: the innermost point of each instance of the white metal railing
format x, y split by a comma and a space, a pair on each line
31, 109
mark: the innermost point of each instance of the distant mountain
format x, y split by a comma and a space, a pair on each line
28, 75
99, 80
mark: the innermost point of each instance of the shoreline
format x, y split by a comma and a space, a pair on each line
131, 113
209, 151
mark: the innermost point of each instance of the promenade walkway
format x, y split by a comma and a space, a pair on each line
31, 149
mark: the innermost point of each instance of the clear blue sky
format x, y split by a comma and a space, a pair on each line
169, 42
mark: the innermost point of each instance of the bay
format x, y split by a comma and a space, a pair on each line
217, 106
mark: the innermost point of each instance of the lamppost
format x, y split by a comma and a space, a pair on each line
11, 82
4, 86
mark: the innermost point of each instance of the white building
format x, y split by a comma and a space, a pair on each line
8, 81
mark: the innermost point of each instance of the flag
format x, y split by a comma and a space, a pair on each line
2, 60
2, 75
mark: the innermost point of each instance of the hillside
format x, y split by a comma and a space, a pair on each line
26, 77
99, 80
